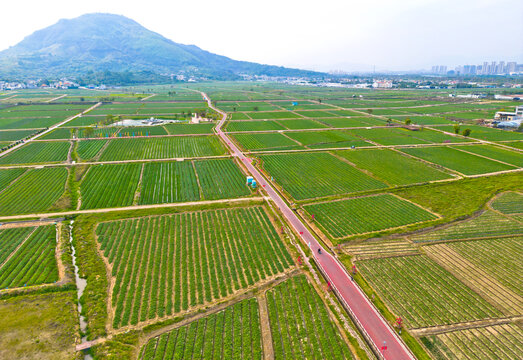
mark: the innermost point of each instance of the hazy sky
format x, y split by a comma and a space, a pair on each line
321, 35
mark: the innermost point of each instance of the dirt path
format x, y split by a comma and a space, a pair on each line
268, 350
56, 98
440, 329
126, 208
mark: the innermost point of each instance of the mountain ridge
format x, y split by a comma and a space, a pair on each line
100, 42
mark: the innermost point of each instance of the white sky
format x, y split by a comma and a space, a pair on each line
324, 35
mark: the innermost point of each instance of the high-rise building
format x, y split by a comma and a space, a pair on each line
511, 66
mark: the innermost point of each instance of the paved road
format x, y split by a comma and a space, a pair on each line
378, 331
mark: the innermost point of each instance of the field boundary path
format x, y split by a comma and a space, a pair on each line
380, 335
48, 130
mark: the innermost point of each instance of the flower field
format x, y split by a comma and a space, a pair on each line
423, 293
233, 333
33, 262
300, 324
165, 264
310, 175
366, 214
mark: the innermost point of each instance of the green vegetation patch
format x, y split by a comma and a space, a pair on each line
493, 152
273, 115
265, 125
26, 195
328, 138
486, 133
393, 167
509, 203
300, 323
460, 161
14, 135
390, 136
33, 262
488, 224
42, 326
367, 214
423, 293
38, 152
88, 149
299, 124
233, 333
267, 141
7, 176
310, 175
165, 264
353, 122
106, 186
221, 179
189, 129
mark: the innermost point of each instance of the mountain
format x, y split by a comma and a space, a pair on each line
113, 43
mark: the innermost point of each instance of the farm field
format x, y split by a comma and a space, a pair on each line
460, 161
508, 203
352, 122
25, 195
196, 266
189, 129
496, 153
233, 333
273, 115
38, 152
14, 135
266, 141
220, 179
366, 214
302, 124
264, 125
88, 149
423, 293
491, 342
110, 185
485, 133
384, 165
32, 262
300, 324
9, 175
328, 138
162, 148
311, 175
488, 224
390, 136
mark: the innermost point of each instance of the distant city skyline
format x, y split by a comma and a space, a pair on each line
345, 35
485, 68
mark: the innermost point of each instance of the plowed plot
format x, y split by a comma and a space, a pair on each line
370, 250
110, 185
162, 148
300, 324
162, 265
367, 214
492, 342
310, 175
233, 333
423, 293
460, 161
25, 195
393, 167
509, 203
500, 258
38, 152
32, 262
488, 224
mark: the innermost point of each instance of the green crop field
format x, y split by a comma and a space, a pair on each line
486, 133
310, 175
497, 342
302, 124
300, 324
266, 125
14, 135
273, 115
422, 120
316, 114
352, 122
88, 149
327, 139
239, 116
175, 262
38, 152
169, 182
366, 214
25, 195
390, 136
233, 333
423, 293
345, 113
10, 239
221, 179
393, 167
488, 224
508, 203
110, 185
493, 152
28, 122
162, 148
460, 161
7, 176
266, 141
33, 262
189, 129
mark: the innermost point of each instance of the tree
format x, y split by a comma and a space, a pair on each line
466, 132
256, 108
408, 121
456, 129
319, 100
82, 99
109, 119
234, 109
389, 121
88, 132
369, 111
